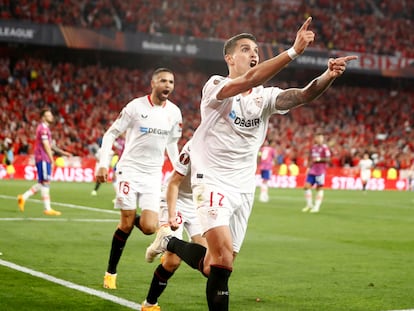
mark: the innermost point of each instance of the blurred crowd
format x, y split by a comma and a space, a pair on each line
84, 99
87, 99
355, 119
371, 26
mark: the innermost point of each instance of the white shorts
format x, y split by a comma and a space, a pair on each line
365, 175
186, 217
138, 190
217, 207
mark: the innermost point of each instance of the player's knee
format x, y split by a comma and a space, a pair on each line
148, 228
224, 260
148, 231
126, 227
171, 264
227, 259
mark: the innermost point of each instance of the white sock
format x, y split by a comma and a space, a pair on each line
33, 189
318, 199
45, 197
308, 198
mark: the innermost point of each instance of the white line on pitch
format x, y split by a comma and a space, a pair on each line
86, 208
58, 219
71, 285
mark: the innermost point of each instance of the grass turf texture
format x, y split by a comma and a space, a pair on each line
356, 254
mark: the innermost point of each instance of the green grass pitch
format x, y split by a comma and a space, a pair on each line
356, 254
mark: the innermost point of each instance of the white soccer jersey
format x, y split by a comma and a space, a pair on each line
182, 167
365, 166
225, 145
185, 206
98, 155
148, 129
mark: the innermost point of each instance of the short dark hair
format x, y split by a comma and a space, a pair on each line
231, 43
43, 111
161, 69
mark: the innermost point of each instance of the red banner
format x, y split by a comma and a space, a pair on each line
338, 182
336, 178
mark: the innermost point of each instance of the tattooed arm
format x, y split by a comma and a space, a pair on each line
294, 97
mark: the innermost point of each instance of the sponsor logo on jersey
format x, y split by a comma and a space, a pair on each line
151, 130
242, 122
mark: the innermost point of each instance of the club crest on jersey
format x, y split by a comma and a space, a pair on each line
259, 102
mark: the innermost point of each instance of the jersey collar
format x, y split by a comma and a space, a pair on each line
150, 101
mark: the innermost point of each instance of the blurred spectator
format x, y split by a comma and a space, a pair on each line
7, 150
369, 26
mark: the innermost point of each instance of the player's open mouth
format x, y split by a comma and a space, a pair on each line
253, 63
166, 92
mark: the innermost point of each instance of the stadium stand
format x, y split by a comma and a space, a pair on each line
340, 25
356, 118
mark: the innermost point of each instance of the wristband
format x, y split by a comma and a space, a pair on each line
292, 53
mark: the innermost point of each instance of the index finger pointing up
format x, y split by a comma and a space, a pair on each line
306, 24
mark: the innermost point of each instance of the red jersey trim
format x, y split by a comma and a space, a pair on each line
150, 101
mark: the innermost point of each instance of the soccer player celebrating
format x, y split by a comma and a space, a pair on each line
318, 158
235, 114
152, 124
43, 151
